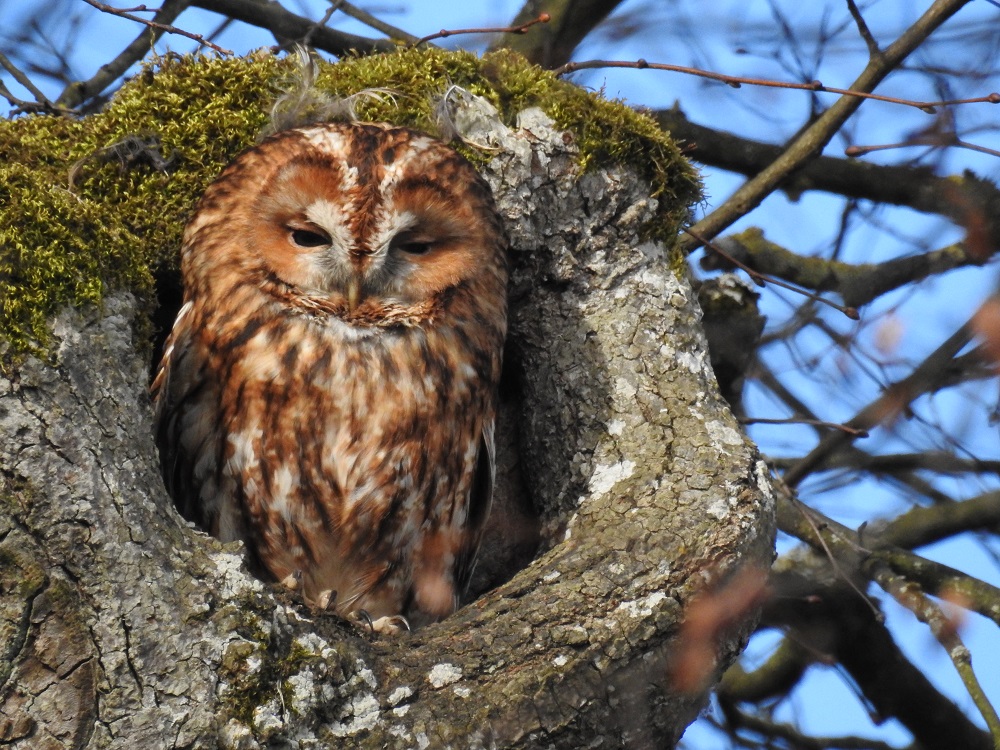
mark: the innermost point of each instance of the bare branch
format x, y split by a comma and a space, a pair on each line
22, 79
941, 580
961, 200
857, 285
795, 738
939, 462
79, 92
775, 677
946, 633
276, 19
552, 45
762, 279
814, 422
851, 553
935, 137
738, 81
369, 20
520, 29
833, 620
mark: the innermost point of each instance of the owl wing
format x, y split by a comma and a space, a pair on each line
182, 397
480, 501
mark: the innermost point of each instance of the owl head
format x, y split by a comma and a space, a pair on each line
373, 223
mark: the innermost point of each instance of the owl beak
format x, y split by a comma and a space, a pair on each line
353, 293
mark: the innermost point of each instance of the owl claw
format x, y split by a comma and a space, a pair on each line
361, 617
326, 599
391, 625
388, 625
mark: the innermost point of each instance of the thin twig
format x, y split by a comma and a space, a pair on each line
993, 98
167, 28
806, 512
891, 402
812, 422
952, 142
334, 7
918, 187
521, 29
738, 81
23, 105
22, 79
863, 30
939, 462
306, 39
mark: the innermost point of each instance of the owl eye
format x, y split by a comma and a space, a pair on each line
307, 238
415, 248
413, 243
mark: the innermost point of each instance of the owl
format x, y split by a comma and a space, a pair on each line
328, 391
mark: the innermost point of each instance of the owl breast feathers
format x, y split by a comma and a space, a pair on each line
328, 391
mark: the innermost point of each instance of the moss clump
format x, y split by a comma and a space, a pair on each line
116, 224
119, 221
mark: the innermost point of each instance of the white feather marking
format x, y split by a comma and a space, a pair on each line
394, 172
282, 482
244, 452
262, 362
332, 218
389, 224
347, 331
178, 324
333, 142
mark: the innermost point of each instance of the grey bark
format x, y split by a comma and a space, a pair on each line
122, 626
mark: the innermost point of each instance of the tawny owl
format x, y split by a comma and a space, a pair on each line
328, 391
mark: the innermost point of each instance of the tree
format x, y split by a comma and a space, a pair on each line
123, 625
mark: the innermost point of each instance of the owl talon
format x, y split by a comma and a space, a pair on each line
293, 581
391, 625
326, 599
387, 625
361, 618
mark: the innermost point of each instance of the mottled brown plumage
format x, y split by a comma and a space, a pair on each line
328, 391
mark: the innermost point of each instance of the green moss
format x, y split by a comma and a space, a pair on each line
21, 572
69, 244
115, 224
250, 688
259, 670
252, 667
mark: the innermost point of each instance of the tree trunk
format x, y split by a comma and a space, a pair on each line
122, 626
